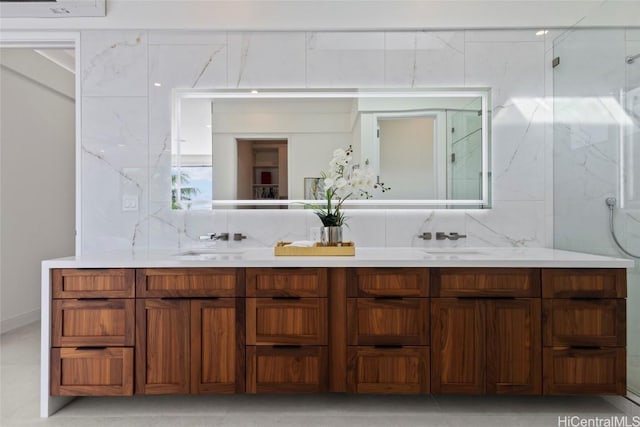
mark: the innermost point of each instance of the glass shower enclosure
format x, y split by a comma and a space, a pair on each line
596, 136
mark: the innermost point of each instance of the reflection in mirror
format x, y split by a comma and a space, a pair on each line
244, 149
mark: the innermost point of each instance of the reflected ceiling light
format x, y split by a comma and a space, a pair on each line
542, 32
254, 91
156, 84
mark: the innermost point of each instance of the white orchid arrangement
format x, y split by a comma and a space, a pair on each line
344, 180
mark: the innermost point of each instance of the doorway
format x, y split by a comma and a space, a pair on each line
38, 139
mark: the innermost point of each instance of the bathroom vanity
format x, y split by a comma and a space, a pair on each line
389, 320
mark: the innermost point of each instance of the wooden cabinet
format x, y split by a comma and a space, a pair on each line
388, 321
387, 330
486, 282
286, 321
485, 346
287, 369
287, 282
162, 346
92, 332
93, 283
189, 346
584, 331
388, 282
585, 371
355, 330
217, 346
100, 371
388, 370
93, 322
189, 282
287, 330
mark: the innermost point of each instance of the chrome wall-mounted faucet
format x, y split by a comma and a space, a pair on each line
440, 235
425, 236
214, 236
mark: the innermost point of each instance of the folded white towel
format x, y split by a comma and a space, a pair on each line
302, 244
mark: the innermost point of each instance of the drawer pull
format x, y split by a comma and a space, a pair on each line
387, 346
286, 346
285, 298
388, 297
92, 299
91, 348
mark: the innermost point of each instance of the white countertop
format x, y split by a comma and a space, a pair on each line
364, 257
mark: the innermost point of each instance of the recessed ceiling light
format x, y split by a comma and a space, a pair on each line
156, 84
254, 91
542, 32
208, 126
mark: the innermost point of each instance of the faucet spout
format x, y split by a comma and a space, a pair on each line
440, 235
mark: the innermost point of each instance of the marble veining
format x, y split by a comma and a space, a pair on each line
510, 62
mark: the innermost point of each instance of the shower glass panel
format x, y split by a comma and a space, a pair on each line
596, 134
464, 154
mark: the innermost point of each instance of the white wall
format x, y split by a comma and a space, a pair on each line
37, 141
310, 15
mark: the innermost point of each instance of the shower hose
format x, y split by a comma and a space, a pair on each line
611, 204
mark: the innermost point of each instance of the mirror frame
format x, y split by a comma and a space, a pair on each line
484, 93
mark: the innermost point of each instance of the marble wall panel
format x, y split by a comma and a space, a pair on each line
509, 62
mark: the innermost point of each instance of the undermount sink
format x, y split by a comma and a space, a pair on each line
208, 254
453, 251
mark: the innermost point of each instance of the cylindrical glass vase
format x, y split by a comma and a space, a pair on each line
331, 236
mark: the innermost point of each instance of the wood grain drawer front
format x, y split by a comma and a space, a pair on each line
189, 282
388, 282
217, 346
93, 283
287, 370
584, 283
584, 371
92, 372
388, 370
295, 282
93, 323
388, 321
486, 282
287, 321
585, 322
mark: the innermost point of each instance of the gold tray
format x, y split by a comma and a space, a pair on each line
347, 249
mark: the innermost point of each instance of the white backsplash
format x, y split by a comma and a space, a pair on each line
126, 128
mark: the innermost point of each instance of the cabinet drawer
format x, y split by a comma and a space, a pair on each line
296, 282
286, 369
388, 370
486, 282
286, 321
388, 321
93, 322
388, 282
92, 372
189, 282
584, 283
584, 322
584, 371
93, 283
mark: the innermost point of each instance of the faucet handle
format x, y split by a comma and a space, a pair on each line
238, 236
456, 236
425, 236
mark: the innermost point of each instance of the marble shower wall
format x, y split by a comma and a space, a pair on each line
126, 128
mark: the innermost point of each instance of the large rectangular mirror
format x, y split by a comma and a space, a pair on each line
234, 148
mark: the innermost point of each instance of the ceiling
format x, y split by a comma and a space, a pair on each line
327, 15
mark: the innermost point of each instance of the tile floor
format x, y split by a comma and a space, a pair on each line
19, 383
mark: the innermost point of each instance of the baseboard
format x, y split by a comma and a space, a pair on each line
16, 322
